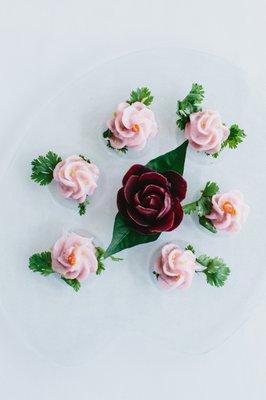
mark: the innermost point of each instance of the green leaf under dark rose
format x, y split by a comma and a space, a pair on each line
172, 161
123, 236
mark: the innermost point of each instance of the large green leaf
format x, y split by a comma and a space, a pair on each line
123, 236
172, 161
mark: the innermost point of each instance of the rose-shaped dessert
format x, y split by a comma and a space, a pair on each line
175, 267
150, 201
131, 126
76, 178
74, 257
206, 132
229, 211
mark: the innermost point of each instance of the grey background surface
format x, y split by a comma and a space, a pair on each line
46, 44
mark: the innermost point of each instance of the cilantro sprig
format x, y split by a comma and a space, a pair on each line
215, 269
203, 206
236, 136
43, 167
82, 206
190, 104
100, 258
141, 94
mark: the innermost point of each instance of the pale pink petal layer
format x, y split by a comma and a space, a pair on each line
73, 257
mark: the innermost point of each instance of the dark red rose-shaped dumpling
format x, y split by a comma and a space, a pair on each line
150, 201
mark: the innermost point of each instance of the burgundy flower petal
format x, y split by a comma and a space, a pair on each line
166, 206
153, 189
153, 201
137, 218
166, 224
178, 184
153, 177
178, 210
136, 169
121, 202
131, 187
147, 212
136, 198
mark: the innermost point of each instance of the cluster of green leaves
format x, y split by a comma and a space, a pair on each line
100, 252
141, 94
190, 104
123, 236
215, 269
43, 167
107, 135
203, 206
236, 136
82, 206
42, 263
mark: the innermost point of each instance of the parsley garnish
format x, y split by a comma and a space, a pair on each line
43, 167
203, 206
236, 136
216, 270
107, 134
156, 274
74, 283
99, 255
190, 104
141, 94
100, 258
42, 263
82, 206
123, 150
190, 248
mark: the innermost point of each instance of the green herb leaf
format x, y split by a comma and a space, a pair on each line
190, 208
210, 189
113, 258
84, 158
156, 274
141, 94
124, 237
43, 167
206, 223
190, 104
100, 258
172, 161
74, 283
107, 134
204, 206
236, 136
190, 248
42, 263
216, 270
82, 206
123, 150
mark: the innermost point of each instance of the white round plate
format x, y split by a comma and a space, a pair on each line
70, 328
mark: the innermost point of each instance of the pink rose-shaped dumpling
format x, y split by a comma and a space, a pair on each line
206, 132
76, 178
175, 267
229, 211
73, 257
132, 125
